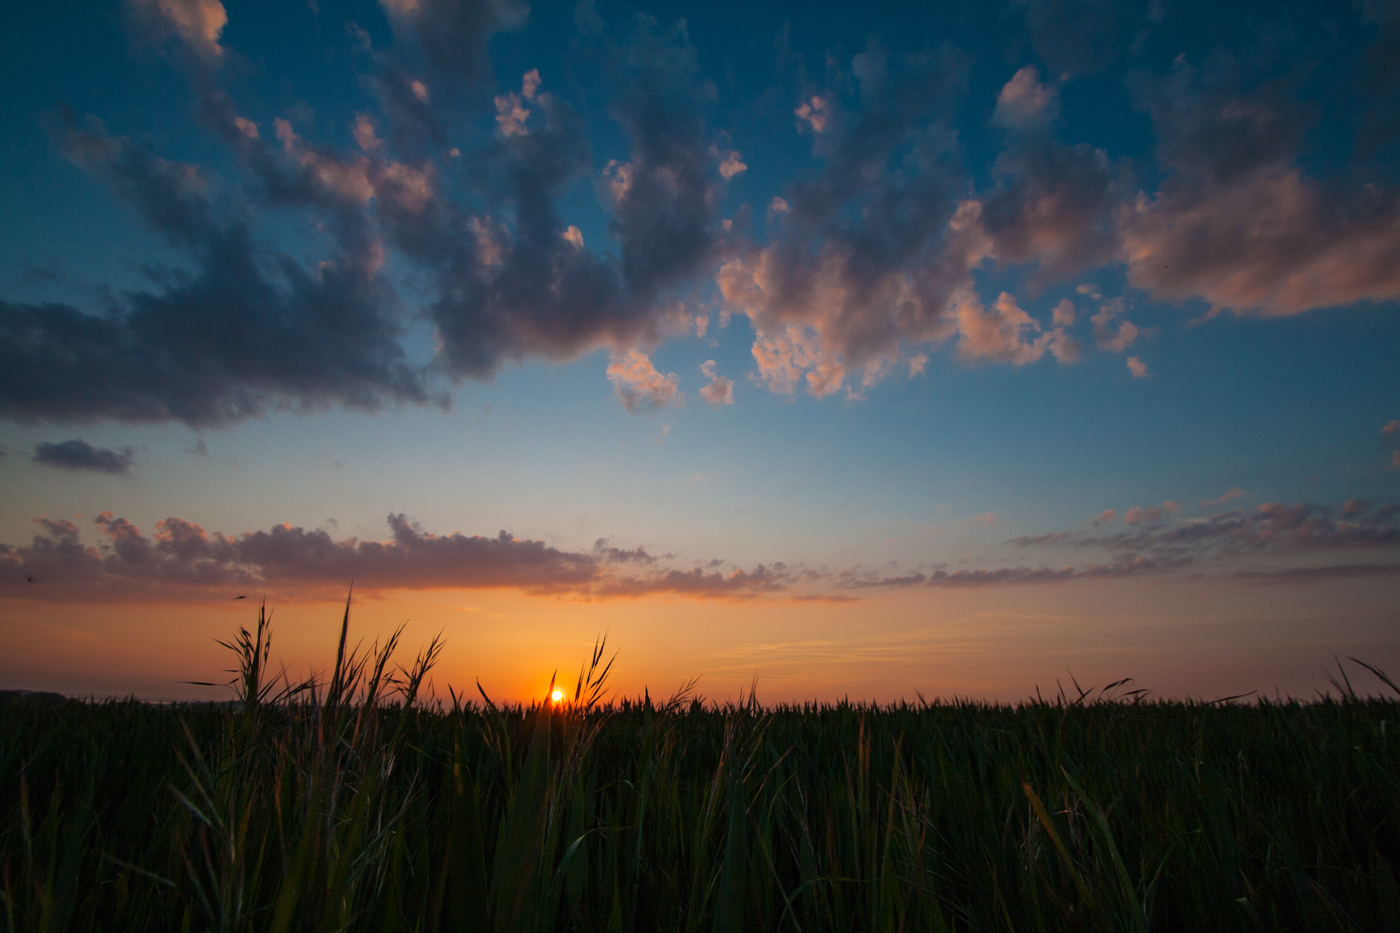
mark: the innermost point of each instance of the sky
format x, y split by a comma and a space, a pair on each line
872, 351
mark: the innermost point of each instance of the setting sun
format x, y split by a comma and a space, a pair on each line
557, 696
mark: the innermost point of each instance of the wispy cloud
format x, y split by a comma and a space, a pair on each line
1228, 496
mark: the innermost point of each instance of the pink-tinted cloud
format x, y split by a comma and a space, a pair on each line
1025, 101
1149, 513
1109, 339
1272, 244
1227, 496
862, 263
814, 113
731, 164
639, 386
1137, 367
1237, 223
719, 390
1007, 334
1063, 315
197, 23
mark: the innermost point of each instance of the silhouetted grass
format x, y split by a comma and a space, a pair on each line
345, 805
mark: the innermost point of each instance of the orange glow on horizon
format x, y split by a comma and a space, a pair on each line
1175, 638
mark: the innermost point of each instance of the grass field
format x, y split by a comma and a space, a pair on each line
347, 805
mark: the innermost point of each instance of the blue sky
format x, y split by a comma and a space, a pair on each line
720, 313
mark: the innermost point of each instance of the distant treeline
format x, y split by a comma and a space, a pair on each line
345, 805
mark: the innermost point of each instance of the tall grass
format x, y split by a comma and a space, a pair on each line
342, 803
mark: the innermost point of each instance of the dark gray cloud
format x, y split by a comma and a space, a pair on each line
251, 329
78, 454
450, 37
507, 291
173, 197
1078, 36
665, 197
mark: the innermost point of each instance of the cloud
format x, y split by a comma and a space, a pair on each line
451, 36
696, 583
78, 454
182, 561
1149, 513
871, 259
253, 329
1024, 101
1236, 222
174, 198
731, 165
197, 23
1227, 496
1076, 36
1055, 206
998, 333
663, 199
814, 113
1064, 313
1107, 515
862, 258
1313, 574
639, 386
719, 390
1270, 530
1107, 338
985, 518
1392, 427
614, 555
1010, 576
249, 330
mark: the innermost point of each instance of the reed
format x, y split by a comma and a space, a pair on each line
346, 803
